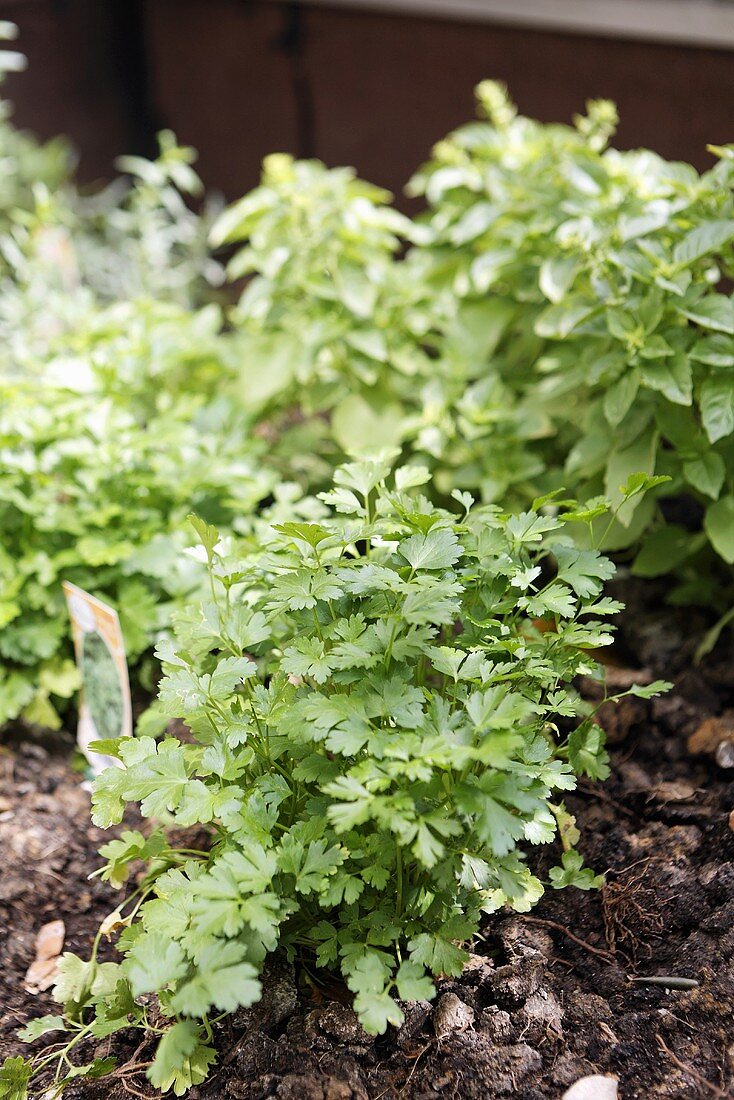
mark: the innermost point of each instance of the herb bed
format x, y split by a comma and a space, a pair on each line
386, 647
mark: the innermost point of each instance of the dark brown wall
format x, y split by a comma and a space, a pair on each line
241, 78
402, 83
77, 75
222, 77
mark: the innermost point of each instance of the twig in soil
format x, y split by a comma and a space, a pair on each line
418, 1057
49, 852
132, 1071
692, 1072
131, 1063
563, 962
385, 1091
134, 1092
667, 980
606, 955
50, 873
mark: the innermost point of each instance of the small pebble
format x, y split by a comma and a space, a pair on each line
595, 1087
451, 1014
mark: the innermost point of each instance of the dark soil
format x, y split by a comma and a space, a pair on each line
546, 998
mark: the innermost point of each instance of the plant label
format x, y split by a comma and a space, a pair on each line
105, 709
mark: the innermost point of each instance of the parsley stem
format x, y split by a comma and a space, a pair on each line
399, 872
388, 651
82, 1033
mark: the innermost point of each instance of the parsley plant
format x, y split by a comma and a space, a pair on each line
383, 722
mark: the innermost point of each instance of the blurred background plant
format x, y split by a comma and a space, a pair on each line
603, 280
113, 426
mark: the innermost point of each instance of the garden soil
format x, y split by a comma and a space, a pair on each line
546, 999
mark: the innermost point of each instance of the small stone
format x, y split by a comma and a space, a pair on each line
724, 755
595, 1087
451, 1014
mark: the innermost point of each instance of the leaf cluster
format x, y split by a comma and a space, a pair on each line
99, 468
334, 333
605, 278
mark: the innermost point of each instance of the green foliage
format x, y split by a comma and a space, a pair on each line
15, 1074
115, 420
61, 252
333, 334
373, 697
602, 277
559, 318
98, 474
149, 243
573, 873
182, 1059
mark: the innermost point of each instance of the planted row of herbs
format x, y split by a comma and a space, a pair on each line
384, 443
